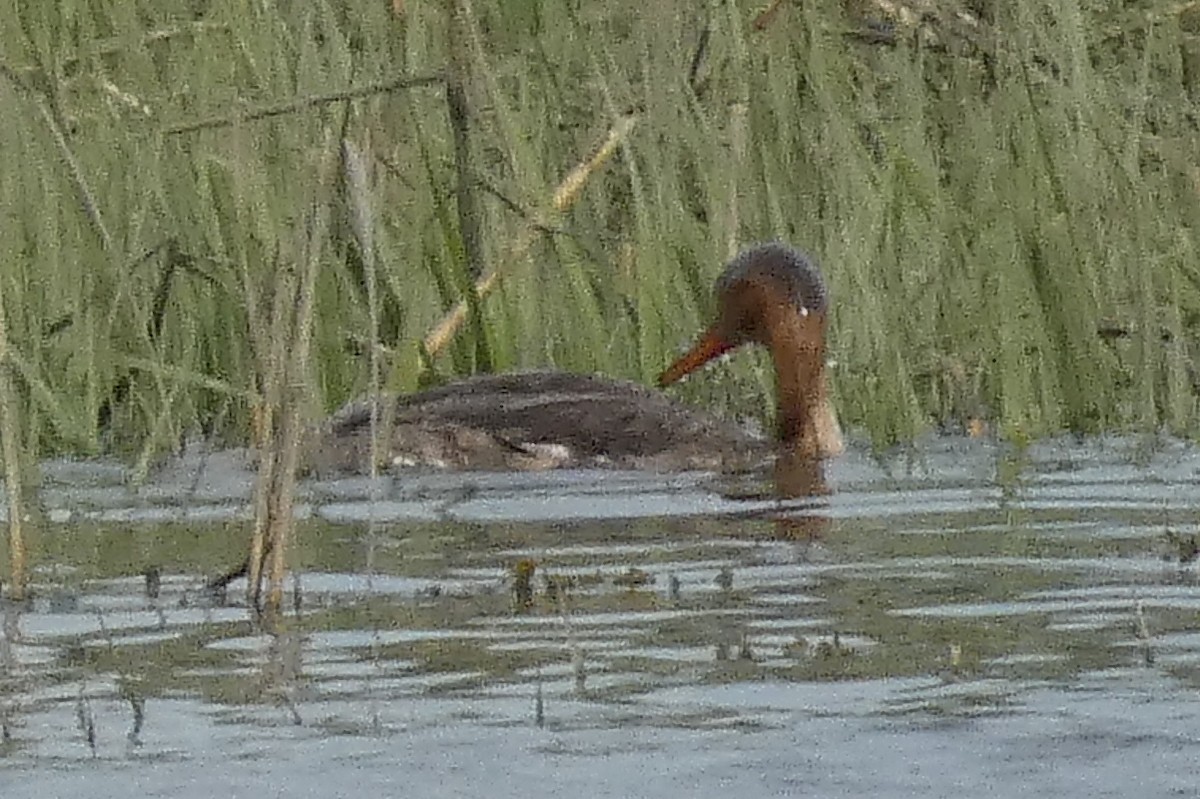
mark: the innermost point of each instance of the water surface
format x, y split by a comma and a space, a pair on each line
950, 619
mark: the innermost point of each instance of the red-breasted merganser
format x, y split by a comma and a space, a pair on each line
769, 294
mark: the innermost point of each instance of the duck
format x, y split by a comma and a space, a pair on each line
769, 294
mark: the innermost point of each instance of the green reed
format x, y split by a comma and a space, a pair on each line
980, 203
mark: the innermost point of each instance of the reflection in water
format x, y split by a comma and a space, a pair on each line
907, 609
798, 476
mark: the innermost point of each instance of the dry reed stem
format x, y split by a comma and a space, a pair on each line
565, 195
271, 364
304, 103
738, 136
362, 224
294, 428
458, 111
10, 426
284, 373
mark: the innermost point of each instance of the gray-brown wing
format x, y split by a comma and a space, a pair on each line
593, 416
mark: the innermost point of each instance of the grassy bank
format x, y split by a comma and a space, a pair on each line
985, 191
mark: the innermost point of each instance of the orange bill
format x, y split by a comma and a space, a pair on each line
708, 347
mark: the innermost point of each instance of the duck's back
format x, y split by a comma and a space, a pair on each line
563, 419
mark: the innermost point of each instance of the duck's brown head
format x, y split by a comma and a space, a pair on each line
775, 296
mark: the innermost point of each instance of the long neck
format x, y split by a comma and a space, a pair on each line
803, 416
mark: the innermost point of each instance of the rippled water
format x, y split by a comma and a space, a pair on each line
952, 619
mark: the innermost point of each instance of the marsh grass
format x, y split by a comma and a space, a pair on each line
981, 195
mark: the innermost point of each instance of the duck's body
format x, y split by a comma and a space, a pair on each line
536, 420
770, 294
